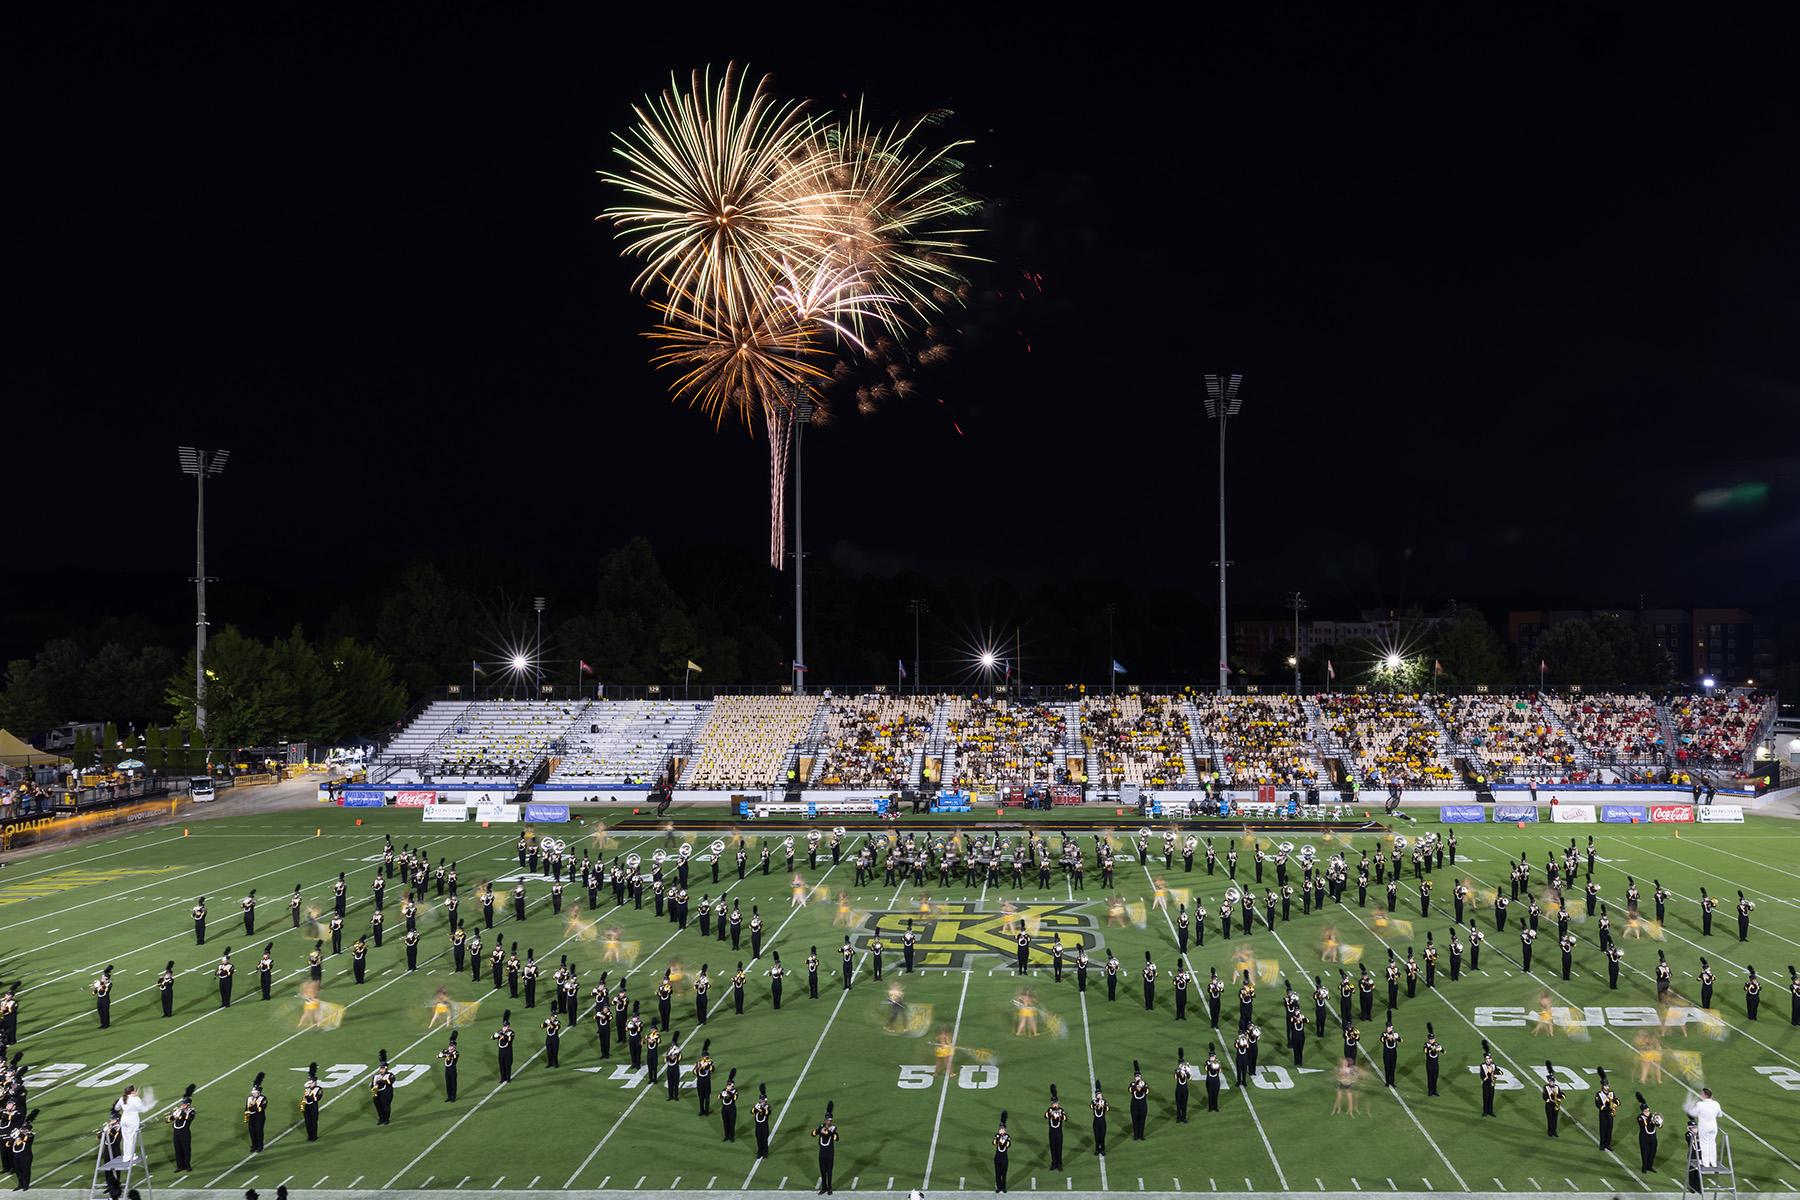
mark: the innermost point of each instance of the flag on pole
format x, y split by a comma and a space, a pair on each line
1224, 666
1117, 668
1330, 671
1008, 675
694, 666
1437, 667
476, 667
901, 663
799, 666
585, 669
1542, 666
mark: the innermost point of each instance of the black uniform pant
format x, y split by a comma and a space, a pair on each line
1606, 1130
1487, 1099
827, 1156
728, 1119
505, 1064
1056, 1139
1551, 1113
249, 923
1149, 994
1646, 1151
1390, 1060
1431, 1076
762, 1139
384, 1106
310, 1114
552, 1048
449, 1084
999, 1170
1100, 1136
225, 993
672, 1080
1112, 987
168, 1002
103, 1006
1181, 1104
255, 1126
1140, 1112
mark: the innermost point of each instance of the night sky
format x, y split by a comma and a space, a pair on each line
1510, 290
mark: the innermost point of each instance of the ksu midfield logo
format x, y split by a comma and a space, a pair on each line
953, 934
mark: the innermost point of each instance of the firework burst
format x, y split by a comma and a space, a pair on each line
772, 241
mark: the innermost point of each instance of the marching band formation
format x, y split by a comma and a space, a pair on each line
1547, 893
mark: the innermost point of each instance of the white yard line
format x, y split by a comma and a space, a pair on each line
1249, 1104
793, 1093
1087, 1040
944, 1095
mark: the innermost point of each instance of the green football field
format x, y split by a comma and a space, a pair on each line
593, 1124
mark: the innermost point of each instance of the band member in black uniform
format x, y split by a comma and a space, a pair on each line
224, 971
827, 1135
1706, 979
412, 949
728, 1104
294, 903
311, 1095
181, 1130
777, 973
449, 1054
102, 989
1112, 976
1744, 909
846, 953
1606, 1106
1434, 1050
1140, 1102
1297, 1036
1099, 1106
1707, 904
1215, 1077
672, 1064
1490, 1075
381, 1087
552, 1040
1553, 1098
518, 900
1752, 993
256, 1113
200, 921
1794, 994
359, 956
487, 905
703, 1069
265, 970
1184, 1073
1648, 1123
1390, 1051
339, 894
1002, 1147
504, 1037
1149, 980
1055, 1117
336, 927
759, 1117
1246, 1003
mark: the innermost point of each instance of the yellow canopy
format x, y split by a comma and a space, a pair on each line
15, 753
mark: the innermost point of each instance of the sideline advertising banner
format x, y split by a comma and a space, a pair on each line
1515, 812
363, 802
547, 814
1463, 814
500, 813
1624, 814
1671, 814
414, 799
1720, 814
1572, 814
445, 812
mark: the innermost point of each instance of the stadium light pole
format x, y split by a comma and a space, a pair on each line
537, 652
201, 464
918, 608
803, 415
1296, 603
1222, 403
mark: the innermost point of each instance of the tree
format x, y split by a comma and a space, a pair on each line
369, 698
1469, 649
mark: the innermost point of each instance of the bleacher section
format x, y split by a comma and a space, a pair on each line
628, 743
891, 742
1388, 739
499, 743
748, 742
1258, 740
1618, 729
1510, 737
994, 743
1138, 739
874, 741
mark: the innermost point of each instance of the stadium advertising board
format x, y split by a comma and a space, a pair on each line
1720, 814
414, 799
1515, 812
1461, 814
506, 813
547, 814
1624, 814
1572, 814
1671, 814
362, 802
445, 812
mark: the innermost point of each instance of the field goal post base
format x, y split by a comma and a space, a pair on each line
134, 1172
1718, 1180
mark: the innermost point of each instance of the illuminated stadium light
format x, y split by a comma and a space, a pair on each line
988, 660
1392, 661
520, 663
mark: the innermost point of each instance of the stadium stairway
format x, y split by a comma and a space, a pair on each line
1200, 748
1585, 759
